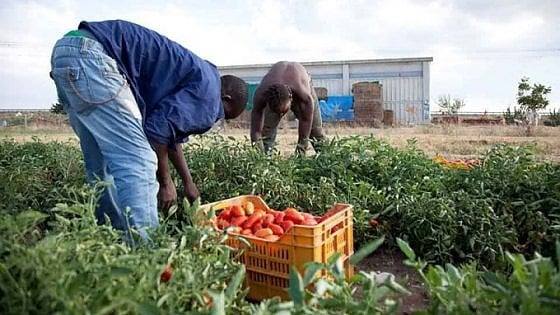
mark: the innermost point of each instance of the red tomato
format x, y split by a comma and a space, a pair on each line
309, 222
286, 225
276, 229
256, 227
307, 216
290, 210
237, 211
166, 274
222, 224
238, 221
225, 214
268, 219
279, 218
297, 218
252, 220
263, 233
234, 230
249, 208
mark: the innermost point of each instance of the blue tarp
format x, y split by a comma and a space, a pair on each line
337, 108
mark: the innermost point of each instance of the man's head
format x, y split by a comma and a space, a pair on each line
234, 96
279, 98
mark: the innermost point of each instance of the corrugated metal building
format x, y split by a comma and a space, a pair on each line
406, 81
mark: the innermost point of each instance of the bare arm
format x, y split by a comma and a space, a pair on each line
305, 123
178, 159
257, 122
167, 194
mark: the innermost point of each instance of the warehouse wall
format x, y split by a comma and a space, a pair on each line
406, 82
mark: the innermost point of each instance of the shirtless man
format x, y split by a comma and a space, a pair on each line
286, 86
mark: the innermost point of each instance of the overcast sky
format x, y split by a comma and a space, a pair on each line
481, 48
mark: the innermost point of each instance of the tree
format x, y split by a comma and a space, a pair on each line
532, 98
553, 119
514, 117
57, 108
450, 106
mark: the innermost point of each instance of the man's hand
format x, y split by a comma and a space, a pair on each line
259, 144
167, 195
191, 192
304, 123
302, 147
178, 159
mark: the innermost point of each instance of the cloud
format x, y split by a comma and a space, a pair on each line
480, 48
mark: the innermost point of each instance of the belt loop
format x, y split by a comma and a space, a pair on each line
85, 44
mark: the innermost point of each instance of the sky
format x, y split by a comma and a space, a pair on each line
481, 49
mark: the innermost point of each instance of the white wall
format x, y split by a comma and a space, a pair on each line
406, 84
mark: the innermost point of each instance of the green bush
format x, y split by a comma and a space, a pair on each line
511, 202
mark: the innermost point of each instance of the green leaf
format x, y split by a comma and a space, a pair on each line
218, 302
558, 252
394, 285
196, 203
310, 272
405, 248
321, 287
235, 282
493, 281
172, 210
366, 250
338, 269
146, 308
183, 243
162, 299
296, 289
333, 259
120, 271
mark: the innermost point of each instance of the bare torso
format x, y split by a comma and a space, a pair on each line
288, 73
298, 80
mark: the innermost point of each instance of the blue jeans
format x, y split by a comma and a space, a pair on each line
104, 114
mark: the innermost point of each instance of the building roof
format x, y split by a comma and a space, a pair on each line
339, 62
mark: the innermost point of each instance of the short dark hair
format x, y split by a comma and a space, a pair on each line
275, 95
236, 88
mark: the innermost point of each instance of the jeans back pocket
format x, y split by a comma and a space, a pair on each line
87, 85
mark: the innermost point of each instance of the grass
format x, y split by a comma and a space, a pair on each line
451, 141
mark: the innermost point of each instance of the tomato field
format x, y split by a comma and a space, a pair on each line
483, 239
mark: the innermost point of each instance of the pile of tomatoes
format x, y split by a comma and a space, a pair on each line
266, 224
457, 164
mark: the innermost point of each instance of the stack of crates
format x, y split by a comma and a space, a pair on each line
368, 102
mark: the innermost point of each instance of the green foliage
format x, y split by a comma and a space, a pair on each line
316, 295
532, 98
515, 116
450, 106
68, 264
37, 175
553, 119
510, 203
531, 287
57, 108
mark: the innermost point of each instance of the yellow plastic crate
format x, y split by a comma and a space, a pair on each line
268, 263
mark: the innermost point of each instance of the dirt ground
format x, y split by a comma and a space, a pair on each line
450, 141
388, 261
